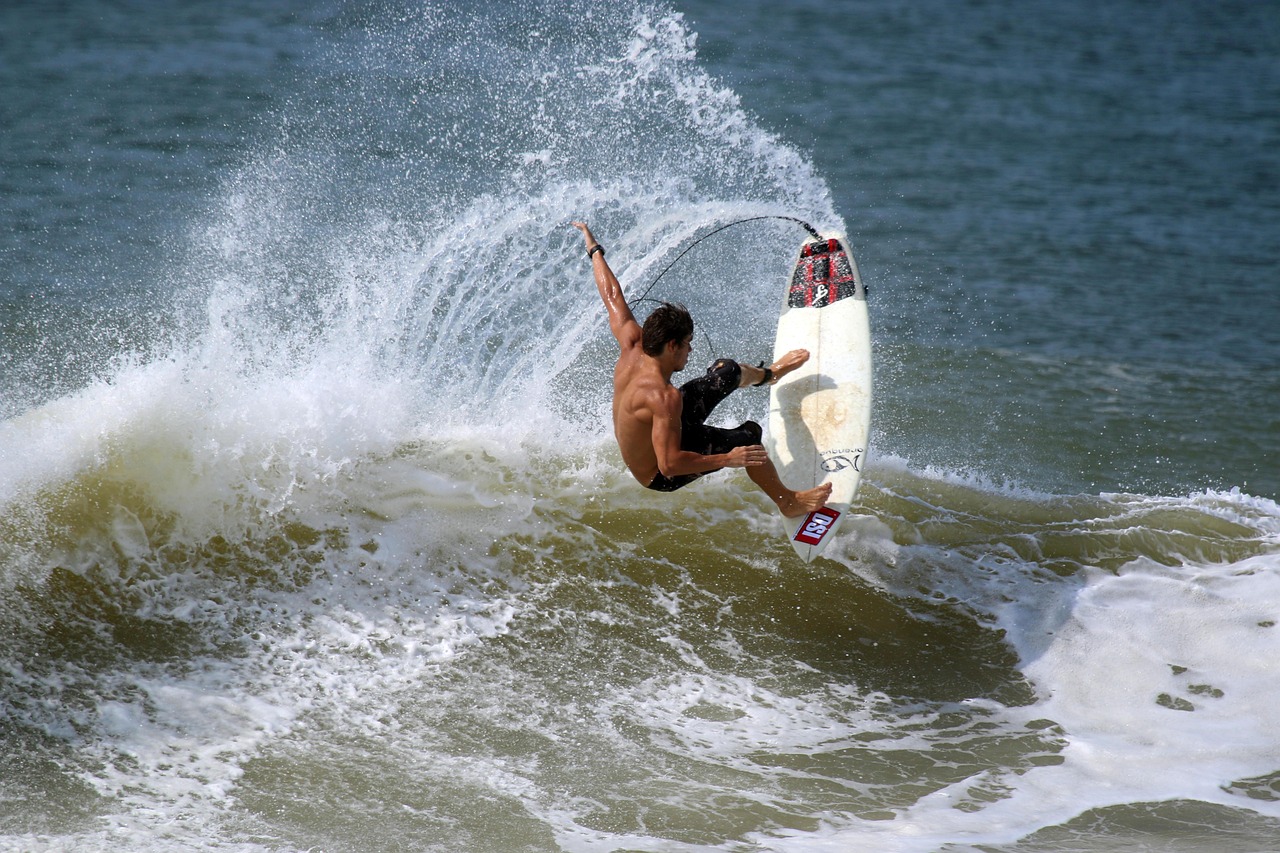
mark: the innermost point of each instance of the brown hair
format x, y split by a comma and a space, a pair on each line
668, 322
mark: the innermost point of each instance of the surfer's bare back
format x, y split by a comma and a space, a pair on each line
661, 429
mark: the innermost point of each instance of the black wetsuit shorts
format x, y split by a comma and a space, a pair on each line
701, 396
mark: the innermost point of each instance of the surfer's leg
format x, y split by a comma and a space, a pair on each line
703, 394
704, 439
780, 368
790, 502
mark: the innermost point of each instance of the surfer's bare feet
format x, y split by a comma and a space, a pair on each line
801, 503
789, 362
780, 368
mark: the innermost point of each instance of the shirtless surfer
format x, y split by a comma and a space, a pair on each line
661, 430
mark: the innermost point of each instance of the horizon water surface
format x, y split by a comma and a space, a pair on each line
313, 535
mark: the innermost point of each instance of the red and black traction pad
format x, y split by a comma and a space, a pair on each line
823, 275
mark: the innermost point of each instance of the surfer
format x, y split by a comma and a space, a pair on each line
661, 429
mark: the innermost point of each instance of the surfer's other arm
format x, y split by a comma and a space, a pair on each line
621, 321
666, 406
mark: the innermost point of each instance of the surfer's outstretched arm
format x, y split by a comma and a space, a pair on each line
621, 321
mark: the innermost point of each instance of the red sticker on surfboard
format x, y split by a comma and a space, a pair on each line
817, 526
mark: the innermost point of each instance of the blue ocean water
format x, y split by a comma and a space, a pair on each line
312, 531
1076, 199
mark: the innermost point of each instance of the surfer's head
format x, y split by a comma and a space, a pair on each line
669, 323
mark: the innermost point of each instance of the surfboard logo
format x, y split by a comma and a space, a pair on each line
817, 526
838, 460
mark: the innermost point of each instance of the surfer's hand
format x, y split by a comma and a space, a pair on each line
586, 233
747, 457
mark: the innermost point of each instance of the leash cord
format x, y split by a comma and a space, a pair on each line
641, 298
805, 225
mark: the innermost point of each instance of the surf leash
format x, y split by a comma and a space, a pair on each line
805, 225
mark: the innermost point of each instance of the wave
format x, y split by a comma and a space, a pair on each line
362, 524
1030, 642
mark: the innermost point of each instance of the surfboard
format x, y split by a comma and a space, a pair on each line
820, 414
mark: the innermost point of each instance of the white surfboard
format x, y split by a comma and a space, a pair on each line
820, 414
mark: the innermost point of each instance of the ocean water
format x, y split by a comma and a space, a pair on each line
313, 535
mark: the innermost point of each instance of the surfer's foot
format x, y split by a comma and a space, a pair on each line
757, 376
796, 504
789, 362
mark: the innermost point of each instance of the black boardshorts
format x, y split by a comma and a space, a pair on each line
701, 396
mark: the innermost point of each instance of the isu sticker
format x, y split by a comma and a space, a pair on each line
815, 527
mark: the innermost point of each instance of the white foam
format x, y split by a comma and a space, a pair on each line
1161, 678
1164, 678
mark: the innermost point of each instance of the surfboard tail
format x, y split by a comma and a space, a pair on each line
810, 533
